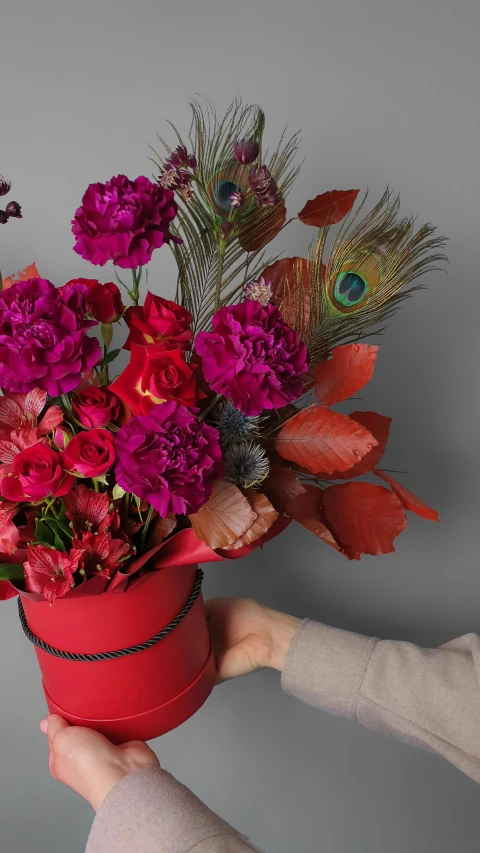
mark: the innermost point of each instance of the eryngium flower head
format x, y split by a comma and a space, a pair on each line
246, 464
233, 425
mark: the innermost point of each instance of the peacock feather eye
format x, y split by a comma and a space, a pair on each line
229, 191
351, 286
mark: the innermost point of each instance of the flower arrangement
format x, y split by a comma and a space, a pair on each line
222, 421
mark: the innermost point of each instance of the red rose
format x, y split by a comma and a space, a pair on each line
159, 322
104, 300
96, 407
90, 454
154, 376
36, 474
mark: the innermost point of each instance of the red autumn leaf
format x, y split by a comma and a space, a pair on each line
284, 274
328, 208
323, 441
266, 516
260, 226
379, 426
364, 517
282, 487
349, 370
306, 509
29, 272
407, 498
224, 517
159, 529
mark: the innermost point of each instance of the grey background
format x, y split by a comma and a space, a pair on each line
385, 92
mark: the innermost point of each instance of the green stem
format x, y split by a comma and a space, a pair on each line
146, 526
134, 292
66, 402
106, 379
209, 408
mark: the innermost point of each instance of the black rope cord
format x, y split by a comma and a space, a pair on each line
119, 653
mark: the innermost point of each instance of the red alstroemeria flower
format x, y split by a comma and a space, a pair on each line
154, 376
101, 554
9, 533
159, 321
90, 511
19, 413
49, 572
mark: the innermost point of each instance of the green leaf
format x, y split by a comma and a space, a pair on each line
117, 492
51, 531
112, 355
11, 572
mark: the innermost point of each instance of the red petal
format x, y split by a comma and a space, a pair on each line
323, 441
10, 413
52, 418
328, 208
34, 403
8, 451
364, 517
379, 427
349, 370
407, 498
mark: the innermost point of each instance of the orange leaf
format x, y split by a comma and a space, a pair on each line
328, 208
260, 226
282, 486
379, 426
224, 517
407, 498
323, 441
29, 272
349, 370
266, 516
364, 517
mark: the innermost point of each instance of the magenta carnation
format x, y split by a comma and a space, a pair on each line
123, 221
43, 342
169, 459
253, 357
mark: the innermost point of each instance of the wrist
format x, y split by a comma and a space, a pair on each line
281, 629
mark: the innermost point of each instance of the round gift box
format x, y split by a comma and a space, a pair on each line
138, 696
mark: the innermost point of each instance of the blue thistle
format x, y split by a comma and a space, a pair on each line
246, 464
233, 425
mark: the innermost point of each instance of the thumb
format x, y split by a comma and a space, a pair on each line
54, 725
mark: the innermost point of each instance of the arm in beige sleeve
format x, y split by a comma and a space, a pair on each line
150, 812
426, 697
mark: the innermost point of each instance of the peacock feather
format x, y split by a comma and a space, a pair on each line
373, 264
223, 227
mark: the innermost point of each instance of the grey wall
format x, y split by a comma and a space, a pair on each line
385, 92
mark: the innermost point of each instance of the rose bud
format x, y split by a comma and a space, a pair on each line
246, 150
105, 302
96, 407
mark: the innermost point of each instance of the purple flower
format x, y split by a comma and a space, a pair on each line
252, 357
169, 458
181, 157
236, 199
43, 342
263, 186
246, 150
5, 186
13, 210
123, 221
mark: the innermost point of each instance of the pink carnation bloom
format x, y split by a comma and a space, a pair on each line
123, 221
253, 357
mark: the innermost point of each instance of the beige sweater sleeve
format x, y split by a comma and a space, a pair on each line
426, 697
150, 812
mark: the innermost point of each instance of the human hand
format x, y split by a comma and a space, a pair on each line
247, 636
87, 762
